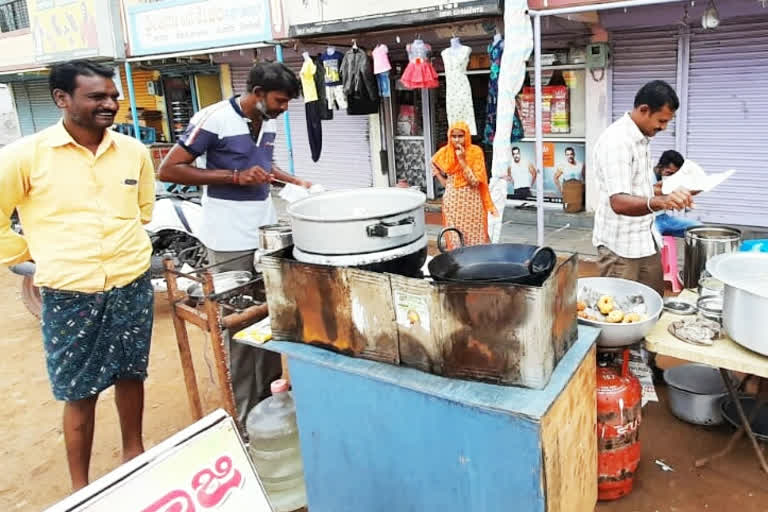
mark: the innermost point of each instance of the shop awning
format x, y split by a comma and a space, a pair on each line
440, 12
190, 53
22, 75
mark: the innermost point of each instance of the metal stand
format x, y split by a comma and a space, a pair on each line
208, 317
745, 423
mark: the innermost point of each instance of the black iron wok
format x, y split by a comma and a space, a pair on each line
492, 263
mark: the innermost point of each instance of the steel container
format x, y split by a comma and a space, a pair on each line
622, 335
745, 302
703, 243
358, 221
695, 393
275, 236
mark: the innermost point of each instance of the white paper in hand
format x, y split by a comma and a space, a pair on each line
292, 193
692, 177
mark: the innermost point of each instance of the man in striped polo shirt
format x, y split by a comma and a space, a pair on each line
236, 137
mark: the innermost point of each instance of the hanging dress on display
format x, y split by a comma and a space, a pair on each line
419, 74
495, 51
458, 93
381, 68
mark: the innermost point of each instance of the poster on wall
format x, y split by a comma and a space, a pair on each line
71, 29
555, 109
563, 161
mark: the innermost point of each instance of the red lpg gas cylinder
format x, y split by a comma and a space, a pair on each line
619, 397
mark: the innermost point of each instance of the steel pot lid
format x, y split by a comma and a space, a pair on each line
276, 228
700, 379
713, 233
746, 271
357, 204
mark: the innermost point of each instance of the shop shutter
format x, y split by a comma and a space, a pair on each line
239, 77
637, 58
727, 112
345, 161
35, 106
23, 109
143, 98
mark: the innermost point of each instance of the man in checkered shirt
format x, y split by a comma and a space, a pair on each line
628, 245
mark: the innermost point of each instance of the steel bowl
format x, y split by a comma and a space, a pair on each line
222, 282
695, 393
621, 335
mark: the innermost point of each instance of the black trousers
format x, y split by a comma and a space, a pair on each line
314, 129
522, 193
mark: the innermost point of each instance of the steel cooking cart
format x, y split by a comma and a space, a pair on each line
379, 437
726, 355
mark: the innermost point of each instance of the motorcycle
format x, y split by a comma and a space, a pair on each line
174, 232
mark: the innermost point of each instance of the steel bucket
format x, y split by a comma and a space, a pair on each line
703, 243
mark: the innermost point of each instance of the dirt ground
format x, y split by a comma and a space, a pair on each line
35, 474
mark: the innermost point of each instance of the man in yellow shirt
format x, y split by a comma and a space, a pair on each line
82, 193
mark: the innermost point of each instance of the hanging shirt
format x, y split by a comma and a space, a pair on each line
307, 75
381, 62
232, 214
332, 65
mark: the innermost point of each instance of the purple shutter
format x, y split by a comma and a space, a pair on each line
727, 115
639, 56
345, 161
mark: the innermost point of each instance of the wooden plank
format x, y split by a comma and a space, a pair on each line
569, 444
219, 351
724, 353
182, 340
191, 315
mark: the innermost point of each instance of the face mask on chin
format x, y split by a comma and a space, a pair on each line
263, 111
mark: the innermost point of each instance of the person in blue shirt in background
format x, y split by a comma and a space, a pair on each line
668, 225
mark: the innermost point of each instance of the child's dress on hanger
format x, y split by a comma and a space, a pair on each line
419, 74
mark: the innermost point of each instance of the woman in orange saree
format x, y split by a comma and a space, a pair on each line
460, 168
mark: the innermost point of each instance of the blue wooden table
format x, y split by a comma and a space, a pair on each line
378, 437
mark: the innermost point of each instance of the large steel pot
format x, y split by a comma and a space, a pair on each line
695, 393
745, 302
357, 221
702, 243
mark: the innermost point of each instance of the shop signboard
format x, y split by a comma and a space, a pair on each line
562, 161
185, 25
203, 467
312, 17
73, 29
